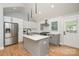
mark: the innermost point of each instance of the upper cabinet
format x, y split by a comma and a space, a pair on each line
7, 19
10, 19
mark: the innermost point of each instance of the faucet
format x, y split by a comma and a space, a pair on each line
28, 30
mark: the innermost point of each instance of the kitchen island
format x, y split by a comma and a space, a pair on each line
36, 44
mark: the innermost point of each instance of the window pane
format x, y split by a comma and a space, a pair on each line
54, 26
71, 26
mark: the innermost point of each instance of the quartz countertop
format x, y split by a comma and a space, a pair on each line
35, 37
54, 33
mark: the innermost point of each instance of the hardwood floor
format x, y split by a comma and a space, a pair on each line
18, 50
63, 51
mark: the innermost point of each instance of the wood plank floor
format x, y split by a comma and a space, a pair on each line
18, 50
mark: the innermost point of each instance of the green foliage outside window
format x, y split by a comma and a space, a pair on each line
71, 26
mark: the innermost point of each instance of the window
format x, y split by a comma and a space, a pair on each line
71, 26
54, 26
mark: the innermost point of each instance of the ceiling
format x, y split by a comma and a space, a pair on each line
44, 10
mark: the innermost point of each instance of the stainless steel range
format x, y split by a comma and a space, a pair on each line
44, 33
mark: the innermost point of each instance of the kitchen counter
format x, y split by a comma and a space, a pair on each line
35, 37
36, 44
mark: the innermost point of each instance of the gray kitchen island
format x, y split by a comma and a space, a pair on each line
38, 45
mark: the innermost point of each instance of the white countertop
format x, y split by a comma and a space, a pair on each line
54, 33
35, 37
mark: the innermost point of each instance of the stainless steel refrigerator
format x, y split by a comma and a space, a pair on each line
10, 33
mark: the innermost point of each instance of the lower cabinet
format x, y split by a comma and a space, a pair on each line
44, 47
54, 39
37, 48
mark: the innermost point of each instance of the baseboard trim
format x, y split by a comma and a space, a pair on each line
68, 45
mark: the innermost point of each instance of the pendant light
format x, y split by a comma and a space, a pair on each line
35, 8
28, 16
31, 12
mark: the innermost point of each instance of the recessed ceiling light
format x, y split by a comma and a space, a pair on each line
52, 6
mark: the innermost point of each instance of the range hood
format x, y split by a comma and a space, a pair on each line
46, 23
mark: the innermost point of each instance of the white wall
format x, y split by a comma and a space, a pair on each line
71, 39
1, 34
1, 28
20, 29
31, 24
74, 42
20, 26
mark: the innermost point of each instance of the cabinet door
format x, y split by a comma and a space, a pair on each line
7, 19
44, 45
54, 39
51, 40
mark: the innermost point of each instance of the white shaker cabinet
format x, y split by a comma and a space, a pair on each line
54, 39
7, 19
38, 45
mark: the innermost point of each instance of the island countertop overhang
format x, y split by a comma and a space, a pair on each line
35, 37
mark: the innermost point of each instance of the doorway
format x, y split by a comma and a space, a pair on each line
70, 31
